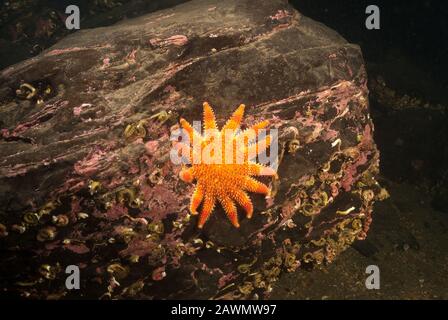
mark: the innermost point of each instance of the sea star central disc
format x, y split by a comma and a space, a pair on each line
220, 177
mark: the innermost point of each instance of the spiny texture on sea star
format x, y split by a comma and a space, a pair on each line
226, 180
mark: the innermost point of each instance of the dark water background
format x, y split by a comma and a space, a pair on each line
409, 54
409, 235
415, 31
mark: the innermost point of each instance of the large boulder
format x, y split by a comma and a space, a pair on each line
85, 173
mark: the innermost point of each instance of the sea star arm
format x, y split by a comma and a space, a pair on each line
260, 125
243, 200
187, 175
235, 120
253, 185
207, 208
230, 210
196, 199
209, 118
189, 154
250, 134
254, 149
184, 151
192, 133
256, 169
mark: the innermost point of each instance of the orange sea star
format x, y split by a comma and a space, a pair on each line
226, 180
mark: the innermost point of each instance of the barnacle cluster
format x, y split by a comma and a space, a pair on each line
3, 231
257, 277
46, 234
118, 271
352, 223
387, 96
37, 92
38, 218
135, 130
127, 196
49, 272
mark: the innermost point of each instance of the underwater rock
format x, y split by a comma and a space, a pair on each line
85, 166
29, 27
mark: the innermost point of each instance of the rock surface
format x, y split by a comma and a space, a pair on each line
28, 27
85, 173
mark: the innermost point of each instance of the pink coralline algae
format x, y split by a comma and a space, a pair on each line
281, 14
90, 164
77, 248
176, 40
158, 274
77, 111
151, 146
